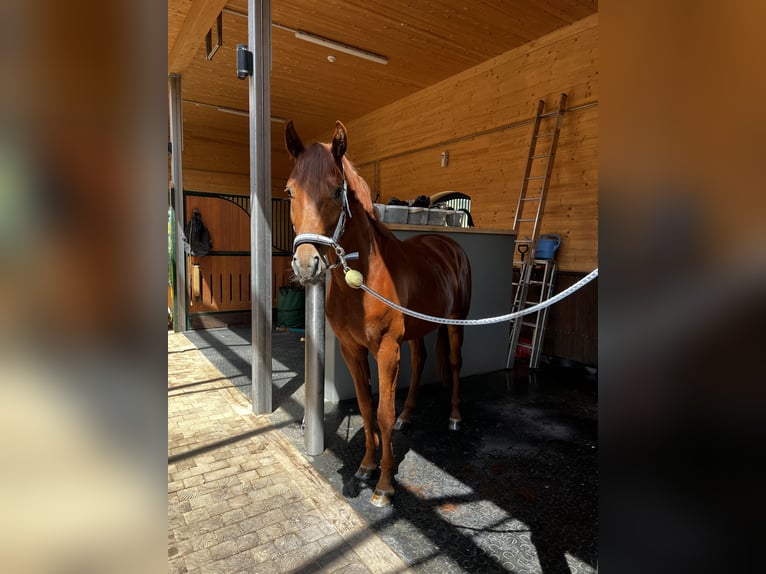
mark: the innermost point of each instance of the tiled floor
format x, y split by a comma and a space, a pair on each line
240, 497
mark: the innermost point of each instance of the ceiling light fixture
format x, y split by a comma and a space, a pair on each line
340, 47
322, 41
234, 111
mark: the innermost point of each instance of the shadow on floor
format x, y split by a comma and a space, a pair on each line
515, 490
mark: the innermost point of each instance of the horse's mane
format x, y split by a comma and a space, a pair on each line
361, 191
359, 187
313, 165
316, 163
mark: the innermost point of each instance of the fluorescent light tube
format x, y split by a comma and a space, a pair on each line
345, 48
234, 111
245, 113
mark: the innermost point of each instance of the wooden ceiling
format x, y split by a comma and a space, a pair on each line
425, 41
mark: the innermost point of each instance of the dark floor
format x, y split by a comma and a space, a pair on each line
515, 490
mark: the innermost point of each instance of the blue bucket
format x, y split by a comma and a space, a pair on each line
547, 246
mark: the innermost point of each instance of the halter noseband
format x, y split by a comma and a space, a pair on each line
340, 227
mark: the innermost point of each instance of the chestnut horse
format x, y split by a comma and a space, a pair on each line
332, 213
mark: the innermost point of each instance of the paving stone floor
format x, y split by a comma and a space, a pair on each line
240, 497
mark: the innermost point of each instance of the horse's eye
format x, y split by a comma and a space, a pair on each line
338, 191
289, 192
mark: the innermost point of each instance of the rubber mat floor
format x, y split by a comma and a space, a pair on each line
515, 490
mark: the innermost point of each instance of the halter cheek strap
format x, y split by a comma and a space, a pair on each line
316, 238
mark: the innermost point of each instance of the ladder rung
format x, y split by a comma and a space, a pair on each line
542, 155
535, 177
536, 198
529, 220
525, 345
545, 135
529, 324
559, 111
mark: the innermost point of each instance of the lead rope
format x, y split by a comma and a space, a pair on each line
355, 280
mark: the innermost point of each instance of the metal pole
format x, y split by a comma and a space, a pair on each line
259, 43
314, 368
176, 170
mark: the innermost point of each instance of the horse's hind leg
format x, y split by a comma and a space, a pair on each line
418, 355
455, 333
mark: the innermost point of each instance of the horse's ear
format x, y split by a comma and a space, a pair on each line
339, 141
293, 140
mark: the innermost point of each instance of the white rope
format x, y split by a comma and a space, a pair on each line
490, 320
342, 256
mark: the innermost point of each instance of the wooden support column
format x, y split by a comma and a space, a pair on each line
259, 43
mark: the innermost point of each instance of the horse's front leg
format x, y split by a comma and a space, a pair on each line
388, 370
356, 360
418, 355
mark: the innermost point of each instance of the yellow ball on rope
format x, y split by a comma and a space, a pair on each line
354, 278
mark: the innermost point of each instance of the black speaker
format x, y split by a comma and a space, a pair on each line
244, 62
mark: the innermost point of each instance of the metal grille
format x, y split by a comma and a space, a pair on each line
282, 233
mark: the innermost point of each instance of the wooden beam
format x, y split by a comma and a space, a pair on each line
198, 21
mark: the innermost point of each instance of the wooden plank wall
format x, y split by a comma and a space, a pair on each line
217, 160
403, 142
398, 149
225, 271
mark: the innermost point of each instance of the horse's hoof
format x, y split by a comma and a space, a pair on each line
400, 424
381, 499
365, 472
454, 424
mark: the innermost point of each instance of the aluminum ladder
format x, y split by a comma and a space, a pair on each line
539, 287
538, 169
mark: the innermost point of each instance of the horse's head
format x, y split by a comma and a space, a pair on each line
318, 200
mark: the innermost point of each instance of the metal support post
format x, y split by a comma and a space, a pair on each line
176, 171
259, 41
314, 369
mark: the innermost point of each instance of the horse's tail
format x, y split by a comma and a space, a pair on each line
443, 367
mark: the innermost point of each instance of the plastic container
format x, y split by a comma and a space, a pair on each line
456, 218
547, 246
417, 216
437, 217
291, 308
380, 211
396, 213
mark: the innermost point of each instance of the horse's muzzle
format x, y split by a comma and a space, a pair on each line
308, 265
